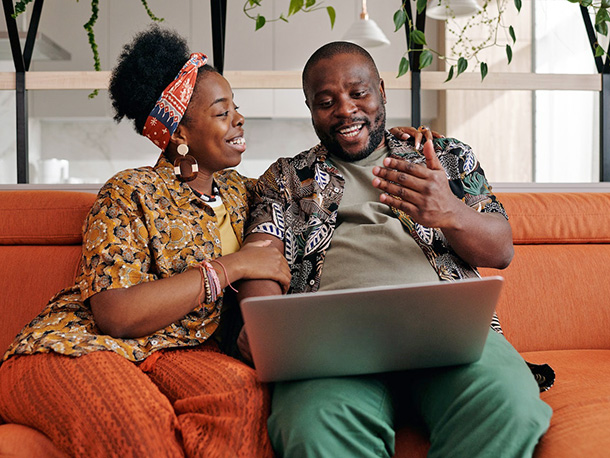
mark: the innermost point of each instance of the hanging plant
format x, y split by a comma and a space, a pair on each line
295, 6
490, 18
464, 51
21, 5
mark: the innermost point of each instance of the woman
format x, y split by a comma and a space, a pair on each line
126, 361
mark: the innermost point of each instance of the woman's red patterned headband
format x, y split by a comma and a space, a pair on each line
171, 106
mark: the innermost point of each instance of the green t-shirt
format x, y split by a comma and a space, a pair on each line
370, 246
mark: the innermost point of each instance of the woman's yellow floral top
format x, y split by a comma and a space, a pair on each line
145, 225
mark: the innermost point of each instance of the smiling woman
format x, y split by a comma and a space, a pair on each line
143, 318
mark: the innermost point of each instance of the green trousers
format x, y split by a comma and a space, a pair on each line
491, 408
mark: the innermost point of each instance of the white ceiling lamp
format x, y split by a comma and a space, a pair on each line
448, 9
365, 32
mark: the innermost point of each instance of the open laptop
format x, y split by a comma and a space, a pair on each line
370, 330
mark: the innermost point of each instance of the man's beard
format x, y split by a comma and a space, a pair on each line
376, 135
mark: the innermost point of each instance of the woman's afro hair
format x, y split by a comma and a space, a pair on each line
145, 67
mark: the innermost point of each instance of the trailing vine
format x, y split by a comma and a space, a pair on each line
295, 6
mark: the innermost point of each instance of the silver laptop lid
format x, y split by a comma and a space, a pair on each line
370, 330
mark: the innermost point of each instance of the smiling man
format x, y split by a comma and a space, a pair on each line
347, 105
364, 208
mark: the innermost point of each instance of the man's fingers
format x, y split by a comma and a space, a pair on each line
403, 132
403, 192
395, 166
399, 204
432, 161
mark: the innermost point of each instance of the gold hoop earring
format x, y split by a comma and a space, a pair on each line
185, 166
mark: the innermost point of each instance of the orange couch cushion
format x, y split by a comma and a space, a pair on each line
29, 276
43, 217
555, 297
40, 248
558, 217
554, 286
580, 400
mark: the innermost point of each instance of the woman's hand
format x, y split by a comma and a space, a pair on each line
257, 260
404, 133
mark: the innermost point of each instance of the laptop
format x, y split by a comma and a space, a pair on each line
370, 330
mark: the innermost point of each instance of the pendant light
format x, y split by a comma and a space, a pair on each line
448, 9
365, 32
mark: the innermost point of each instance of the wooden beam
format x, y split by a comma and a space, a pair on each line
431, 81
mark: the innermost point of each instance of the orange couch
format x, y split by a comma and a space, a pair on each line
555, 306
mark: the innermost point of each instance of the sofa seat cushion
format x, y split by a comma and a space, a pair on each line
580, 400
21, 441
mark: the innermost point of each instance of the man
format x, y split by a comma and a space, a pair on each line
363, 209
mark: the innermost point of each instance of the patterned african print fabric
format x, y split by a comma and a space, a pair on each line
297, 200
145, 225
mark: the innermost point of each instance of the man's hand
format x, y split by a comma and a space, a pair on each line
421, 191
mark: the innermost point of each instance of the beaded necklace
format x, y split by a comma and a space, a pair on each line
209, 199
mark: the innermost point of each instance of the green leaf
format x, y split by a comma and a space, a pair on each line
586, 3
483, 70
403, 67
20, 7
509, 53
418, 37
255, 2
260, 21
511, 31
518, 5
599, 51
605, 4
462, 65
602, 16
400, 17
295, 6
310, 3
332, 15
421, 4
425, 58
450, 75
602, 28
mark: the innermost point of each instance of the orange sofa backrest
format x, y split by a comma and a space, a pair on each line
556, 294
557, 291
40, 249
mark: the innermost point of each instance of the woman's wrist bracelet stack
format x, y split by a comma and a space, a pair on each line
210, 283
226, 275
